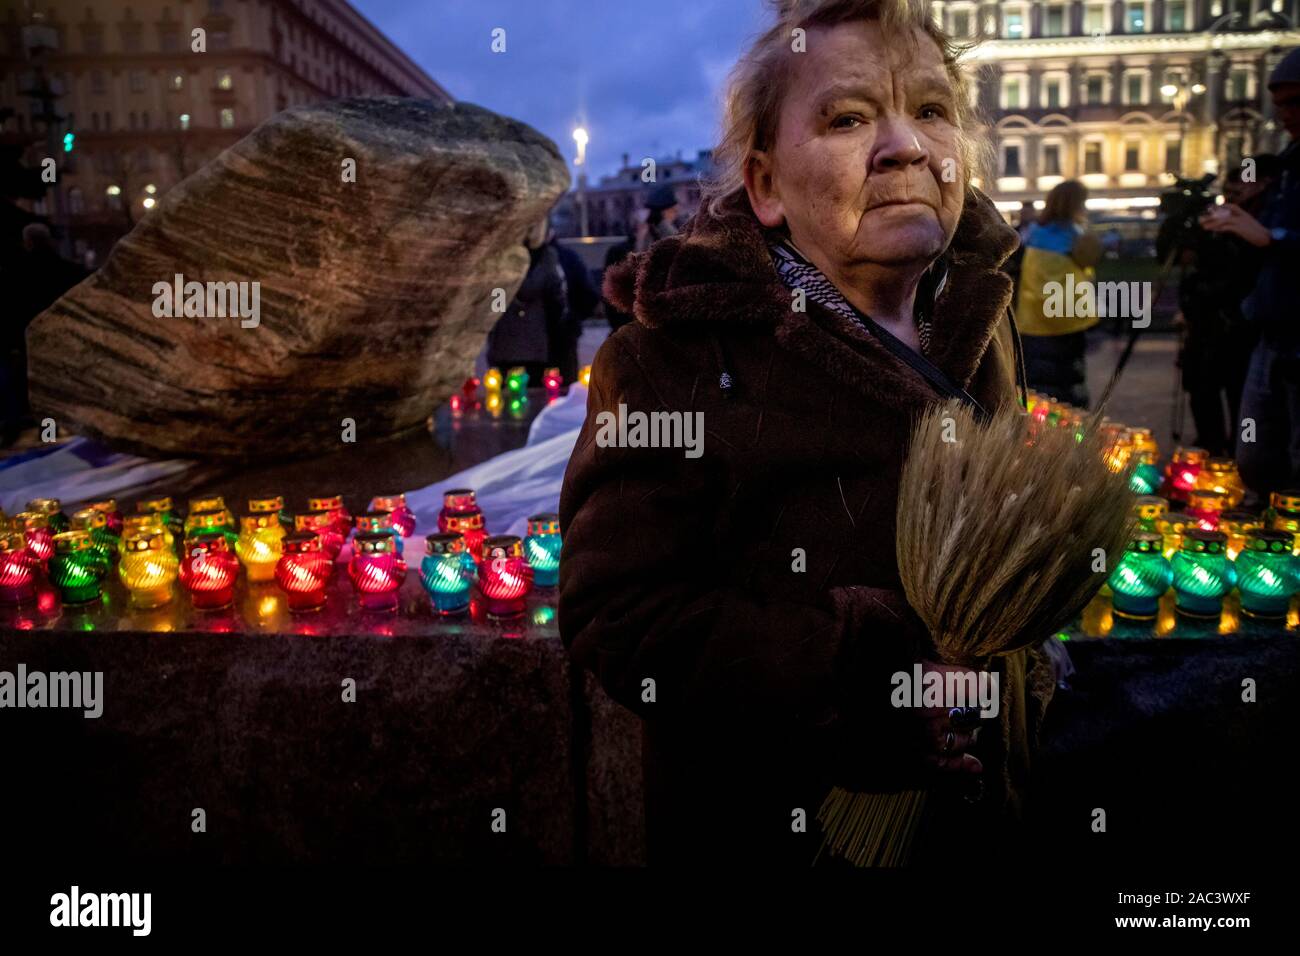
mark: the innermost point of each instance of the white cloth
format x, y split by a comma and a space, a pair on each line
79, 471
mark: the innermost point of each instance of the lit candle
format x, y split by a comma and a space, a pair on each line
376, 571
1149, 509
542, 547
17, 569
504, 576
339, 514
1182, 472
207, 503
112, 515
36, 529
1203, 575
209, 570
461, 514
167, 514
1283, 512
447, 572
1141, 577
77, 568
492, 381
518, 406
219, 521
52, 508
95, 522
1238, 525
144, 521
303, 571
1204, 507
469, 390
322, 523
403, 517
1221, 475
1171, 527
493, 404
517, 381
1268, 574
380, 522
1143, 444
258, 544
584, 376
148, 567
553, 383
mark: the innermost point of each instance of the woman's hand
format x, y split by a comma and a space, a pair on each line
947, 740
1233, 219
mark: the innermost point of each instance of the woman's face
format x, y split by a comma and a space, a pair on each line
866, 167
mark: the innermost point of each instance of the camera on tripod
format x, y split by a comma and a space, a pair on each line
1182, 205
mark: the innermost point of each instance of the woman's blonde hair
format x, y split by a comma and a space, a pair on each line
758, 82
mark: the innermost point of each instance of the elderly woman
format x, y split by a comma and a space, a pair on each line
743, 597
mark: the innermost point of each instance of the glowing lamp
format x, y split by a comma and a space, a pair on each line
493, 404
95, 523
145, 521
504, 576
1182, 472
77, 568
542, 547
456, 403
1149, 509
1221, 475
1117, 448
380, 522
322, 523
447, 572
1238, 526
258, 544
493, 381
518, 407
208, 503
1141, 577
1283, 512
303, 571
17, 569
469, 390
112, 516
209, 570
36, 529
334, 505
395, 505
1268, 574
1143, 445
266, 505
148, 567
584, 375
1172, 527
376, 571
553, 382
1203, 575
461, 514
204, 522
517, 381
52, 508
1204, 507
1145, 479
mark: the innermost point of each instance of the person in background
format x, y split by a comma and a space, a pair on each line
581, 300
1270, 401
616, 317
1057, 247
1025, 220
1219, 271
523, 335
661, 222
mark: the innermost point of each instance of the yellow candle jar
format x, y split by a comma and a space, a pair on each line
148, 568
141, 522
1171, 527
1221, 475
258, 545
1238, 526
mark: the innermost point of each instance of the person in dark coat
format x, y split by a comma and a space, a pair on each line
615, 316
743, 596
536, 315
581, 299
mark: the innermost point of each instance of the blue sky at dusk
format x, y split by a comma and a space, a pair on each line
644, 78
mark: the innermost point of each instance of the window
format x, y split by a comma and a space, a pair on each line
1134, 88
170, 41
1132, 157
1054, 21
1011, 160
185, 121
97, 84
131, 40
1239, 83
1234, 150
227, 118
1013, 25
94, 122
961, 23
1092, 157
178, 81
1011, 93
1176, 15
220, 39
215, 6
108, 119
1052, 159
1173, 157
1135, 17
144, 120
1096, 89
131, 120
93, 41
225, 81
1094, 19
1052, 94
137, 78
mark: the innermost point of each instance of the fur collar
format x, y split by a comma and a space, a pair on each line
718, 271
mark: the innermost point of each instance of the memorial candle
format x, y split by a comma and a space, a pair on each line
338, 514
542, 548
77, 568
493, 381
1238, 525
52, 508
461, 514
1283, 512
517, 381
112, 515
209, 570
208, 503
504, 576
303, 571
218, 521
403, 517
1204, 508
17, 569
376, 571
258, 544
1141, 577
1203, 575
553, 383
380, 522
96, 523
584, 376
36, 529
1149, 509
1268, 574
144, 521
148, 567
1221, 475
447, 572
1182, 472
1171, 527
323, 524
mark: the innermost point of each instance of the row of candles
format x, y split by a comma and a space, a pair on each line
154, 548
1203, 551
509, 391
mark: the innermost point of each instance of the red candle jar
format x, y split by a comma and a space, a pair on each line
504, 576
112, 515
17, 569
395, 505
553, 382
209, 570
334, 505
36, 530
52, 508
1204, 507
303, 571
323, 523
461, 514
376, 571
1181, 473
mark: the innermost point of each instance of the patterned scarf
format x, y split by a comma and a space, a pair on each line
798, 273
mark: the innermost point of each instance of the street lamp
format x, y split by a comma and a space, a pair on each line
580, 137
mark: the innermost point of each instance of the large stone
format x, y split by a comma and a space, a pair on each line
375, 295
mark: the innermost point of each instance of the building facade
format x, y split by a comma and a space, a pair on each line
146, 109
612, 203
1121, 94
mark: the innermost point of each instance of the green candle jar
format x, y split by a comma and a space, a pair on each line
1203, 575
78, 568
1142, 576
1268, 573
1148, 509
